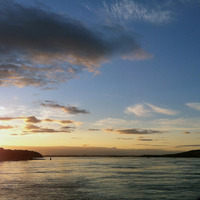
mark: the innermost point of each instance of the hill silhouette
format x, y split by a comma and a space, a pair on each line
187, 154
16, 155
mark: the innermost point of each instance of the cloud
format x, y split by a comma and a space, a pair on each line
115, 121
67, 128
133, 131
188, 132
33, 125
125, 138
42, 48
160, 110
145, 139
138, 110
178, 124
68, 109
94, 129
32, 119
29, 129
35, 120
147, 109
7, 118
130, 10
77, 123
195, 106
5, 127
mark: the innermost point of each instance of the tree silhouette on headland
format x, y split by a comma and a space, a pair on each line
15, 155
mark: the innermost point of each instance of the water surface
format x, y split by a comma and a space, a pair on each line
85, 178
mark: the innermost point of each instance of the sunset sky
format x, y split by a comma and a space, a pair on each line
122, 74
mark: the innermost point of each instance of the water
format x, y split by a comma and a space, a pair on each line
101, 179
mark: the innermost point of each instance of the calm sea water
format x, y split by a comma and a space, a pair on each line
101, 179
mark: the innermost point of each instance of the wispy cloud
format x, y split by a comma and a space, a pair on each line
40, 48
131, 10
116, 121
133, 131
160, 110
68, 109
194, 105
178, 124
6, 127
138, 109
147, 109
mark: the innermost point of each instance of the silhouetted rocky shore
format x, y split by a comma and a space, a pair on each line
17, 155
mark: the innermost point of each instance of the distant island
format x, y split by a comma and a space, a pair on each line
187, 154
17, 155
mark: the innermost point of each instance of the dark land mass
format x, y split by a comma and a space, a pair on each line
187, 154
98, 156
17, 155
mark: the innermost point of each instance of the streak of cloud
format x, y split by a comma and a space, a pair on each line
134, 131
77, 123
160, 110
194, 105
147, 109
68, 109
188, 132
7, 118
145, 139
30, 129
125, 138
93, 129
34, 120
6, 127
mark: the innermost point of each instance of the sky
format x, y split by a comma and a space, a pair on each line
114, 75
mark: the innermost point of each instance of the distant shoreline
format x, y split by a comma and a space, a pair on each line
187, 154
19, 155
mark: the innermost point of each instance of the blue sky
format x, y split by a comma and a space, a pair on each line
120, 73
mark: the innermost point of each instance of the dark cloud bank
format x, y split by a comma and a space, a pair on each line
40, 48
